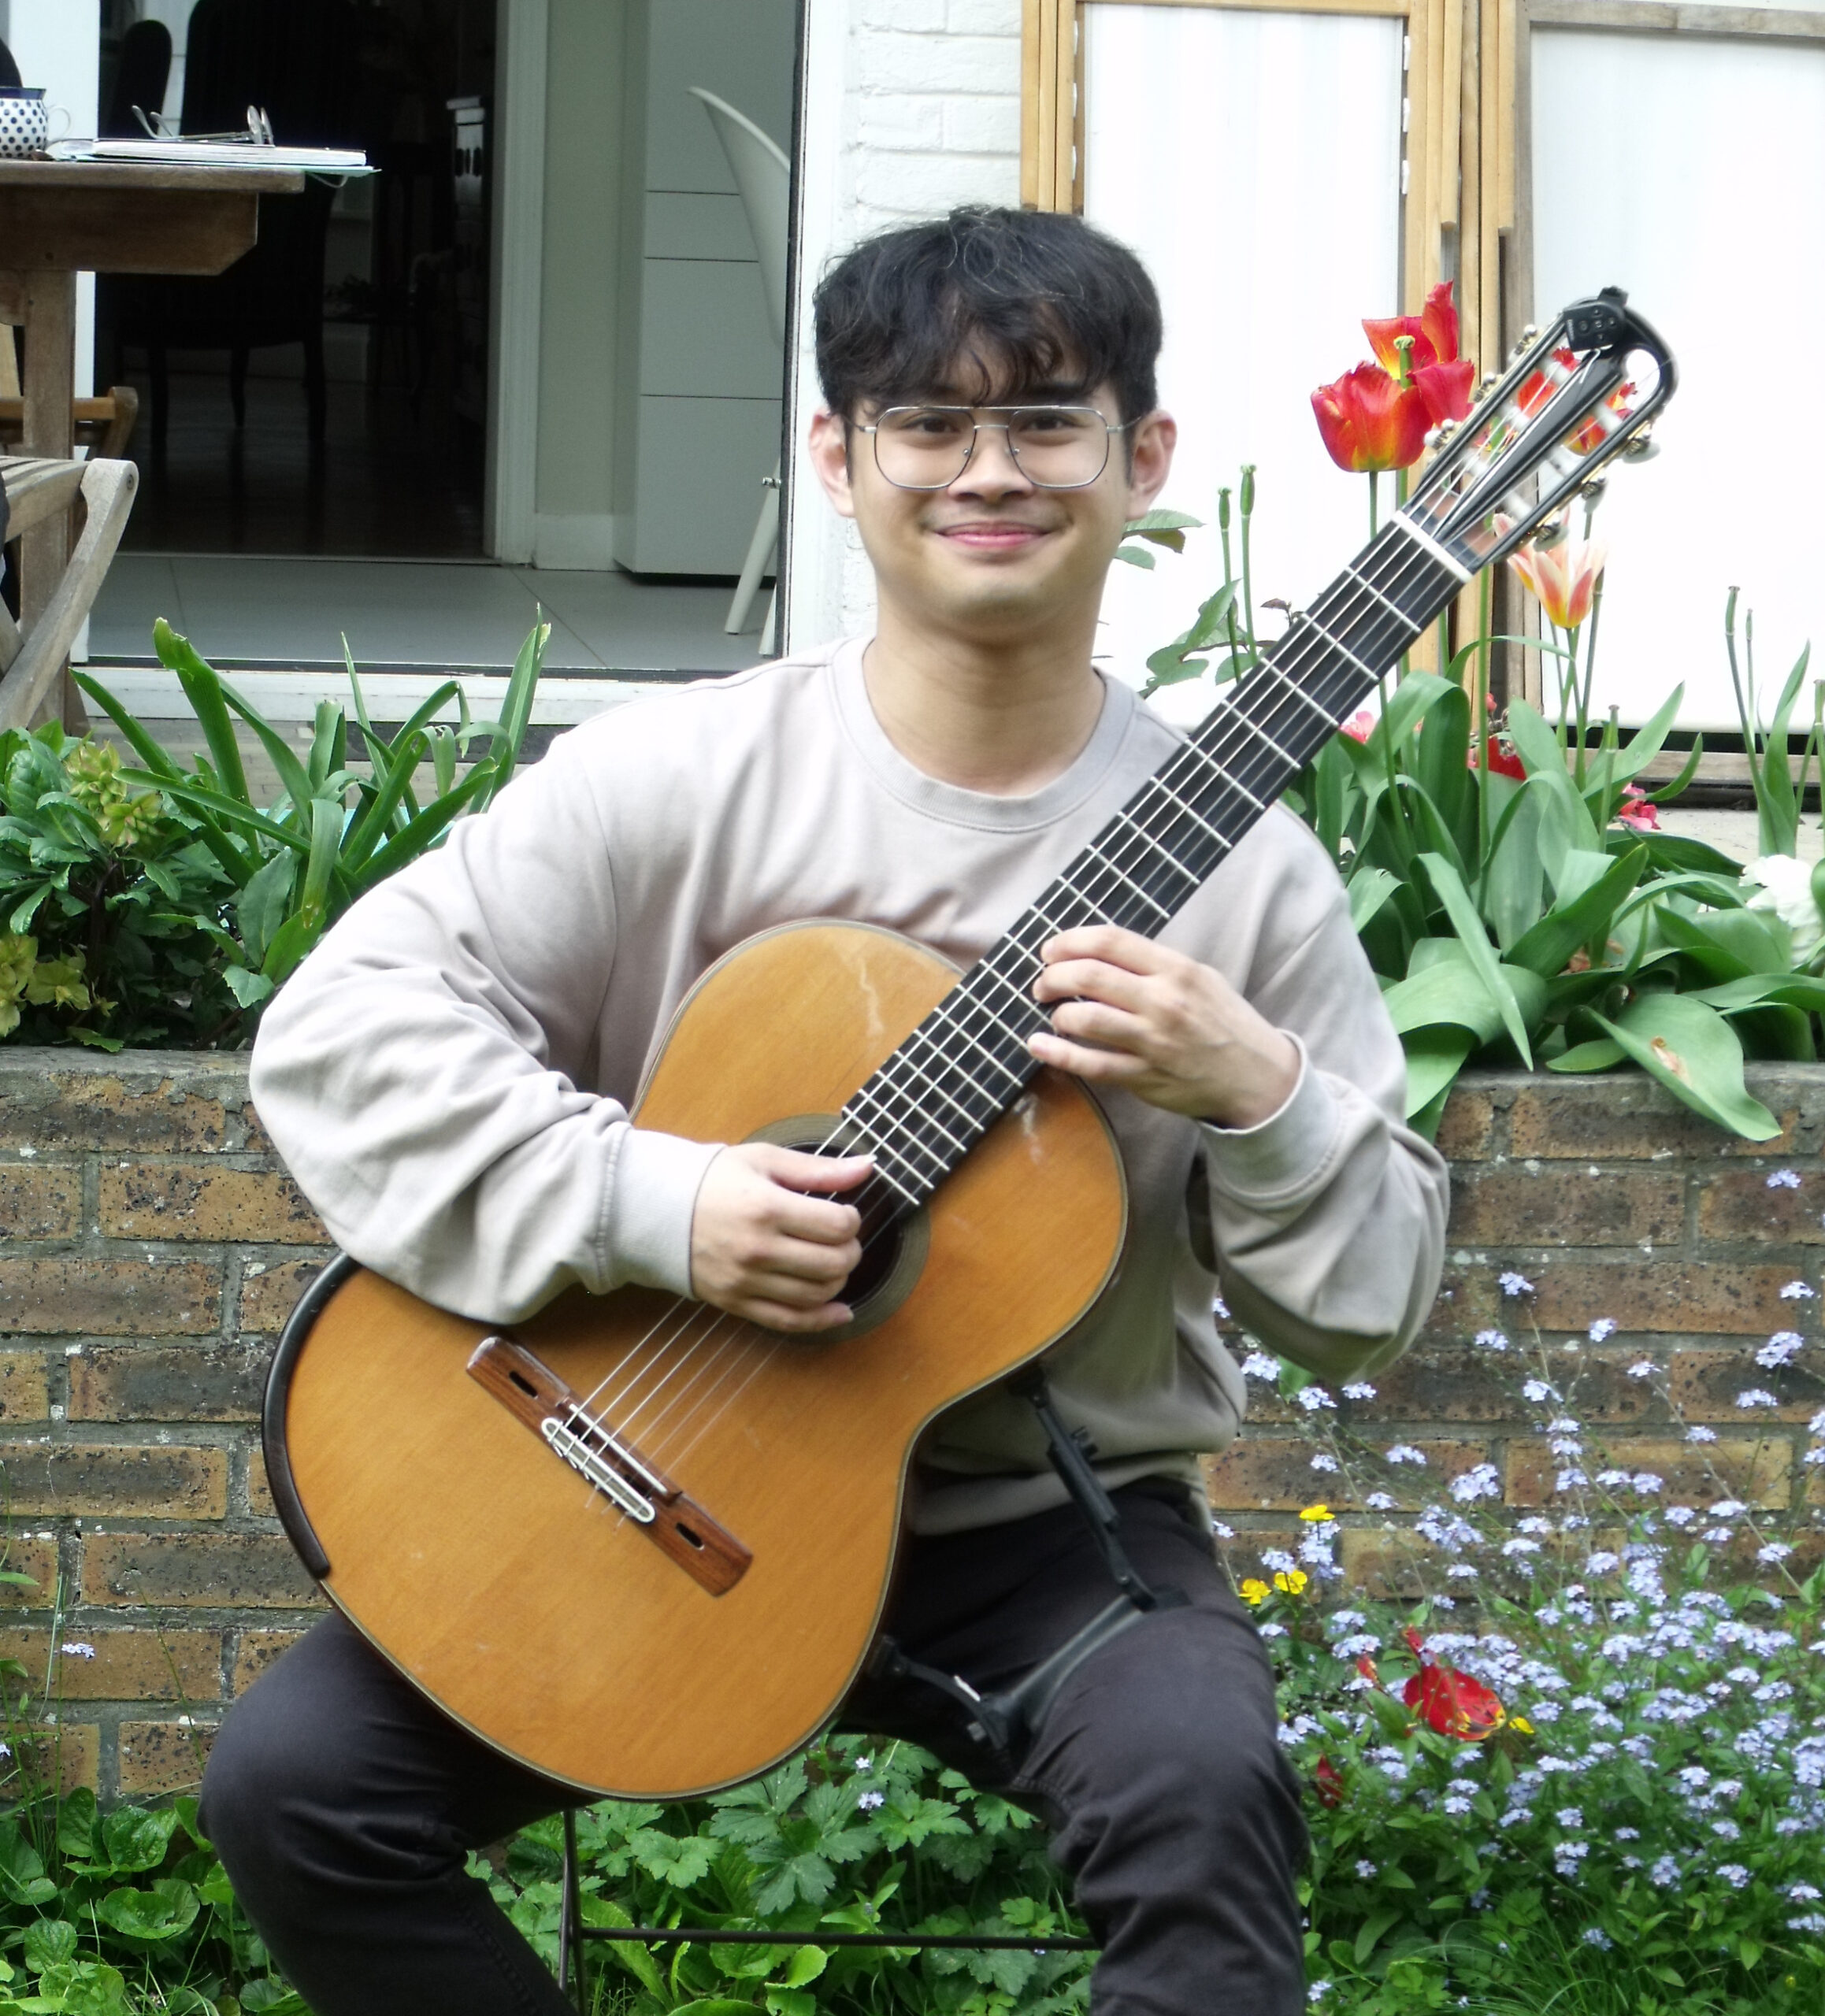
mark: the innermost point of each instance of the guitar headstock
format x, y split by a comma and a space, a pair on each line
1574, 397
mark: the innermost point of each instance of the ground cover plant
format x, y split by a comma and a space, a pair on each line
145, 903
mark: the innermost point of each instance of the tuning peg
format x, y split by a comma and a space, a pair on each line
1643, 448
1550, 533
1592, 492
1523, 343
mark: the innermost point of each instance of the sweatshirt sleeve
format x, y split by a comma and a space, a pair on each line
422, 1072
1328, 1217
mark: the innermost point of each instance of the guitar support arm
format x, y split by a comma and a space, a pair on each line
1005, 1722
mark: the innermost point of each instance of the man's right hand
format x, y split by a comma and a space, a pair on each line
762, 1249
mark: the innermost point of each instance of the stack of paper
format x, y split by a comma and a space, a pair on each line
216, 154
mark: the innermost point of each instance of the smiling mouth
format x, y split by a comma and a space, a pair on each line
994, 535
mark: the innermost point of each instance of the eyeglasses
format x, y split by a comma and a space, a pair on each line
1053, 447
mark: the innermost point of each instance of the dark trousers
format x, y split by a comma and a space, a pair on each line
343, 1804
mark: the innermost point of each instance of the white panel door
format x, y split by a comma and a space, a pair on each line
1691, 171
1253, 160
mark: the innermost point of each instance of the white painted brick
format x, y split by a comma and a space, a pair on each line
982, 16
927, 185
914, 16
890, 123
981, 126
890, 62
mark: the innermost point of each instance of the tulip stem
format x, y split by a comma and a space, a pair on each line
1229, 581
1247, 504
1374, 516
1480, 714
1589, 669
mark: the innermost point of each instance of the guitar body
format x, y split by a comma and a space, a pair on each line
511, 1590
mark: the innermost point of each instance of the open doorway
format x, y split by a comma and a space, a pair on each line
642, 415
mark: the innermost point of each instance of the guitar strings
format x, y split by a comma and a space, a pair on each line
1101, 901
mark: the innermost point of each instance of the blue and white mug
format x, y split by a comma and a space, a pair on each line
25, 121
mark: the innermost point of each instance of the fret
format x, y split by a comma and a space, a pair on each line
1394, 607
1237, 719
1159, 784
1299, 693
971, 1121
1337, 644
1134, 888
881, 1155
1427, 543
1223, 777
1128, 819
903, 1133
970, 1077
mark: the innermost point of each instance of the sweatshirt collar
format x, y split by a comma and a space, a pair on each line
952, 803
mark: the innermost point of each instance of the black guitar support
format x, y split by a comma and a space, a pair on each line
1005, 1724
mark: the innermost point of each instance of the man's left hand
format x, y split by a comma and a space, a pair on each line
1174, 1033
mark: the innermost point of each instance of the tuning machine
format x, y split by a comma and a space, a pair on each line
1642, 448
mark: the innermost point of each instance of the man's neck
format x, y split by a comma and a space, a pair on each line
1004, 718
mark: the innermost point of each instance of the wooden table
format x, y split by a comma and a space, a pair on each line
58, 219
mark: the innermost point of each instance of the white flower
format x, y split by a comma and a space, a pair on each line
1484, 1481
1512, 1283
1798, 1291
1312, 1398
1538, 1391
1733, 1873
1222, 1532
1803, 1893
1781, 1348
1321, 1462
1701, 1433
1775, 1550
1492, 1341
1258, 1364
1379, 1501
1643, 1367
1816, 1424
1317, 1992
1785, 1179
1756, 1396
1359, 1389
1603, 1327
1665, 1871
1785, 886
1404, 1452
1596, 1936
78, 1648
1220, 1309
1367, 1870
868, 1801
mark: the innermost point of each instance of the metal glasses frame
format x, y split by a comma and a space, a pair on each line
1109, 427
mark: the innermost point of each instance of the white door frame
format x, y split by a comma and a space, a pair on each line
516, 269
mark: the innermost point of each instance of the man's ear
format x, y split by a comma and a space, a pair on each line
829, 446
1152, 442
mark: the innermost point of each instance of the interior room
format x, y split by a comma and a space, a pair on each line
327, 432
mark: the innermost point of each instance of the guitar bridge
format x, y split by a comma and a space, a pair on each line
677, 1524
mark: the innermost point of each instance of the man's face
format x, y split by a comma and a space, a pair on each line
994, 553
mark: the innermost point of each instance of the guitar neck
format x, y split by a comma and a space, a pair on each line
968, 1062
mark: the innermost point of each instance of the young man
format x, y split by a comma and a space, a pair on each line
449, 1073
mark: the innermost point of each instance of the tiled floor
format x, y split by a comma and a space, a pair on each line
254, 609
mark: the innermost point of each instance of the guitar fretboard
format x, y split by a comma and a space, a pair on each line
963, 1066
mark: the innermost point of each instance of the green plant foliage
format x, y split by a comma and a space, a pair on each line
152, 905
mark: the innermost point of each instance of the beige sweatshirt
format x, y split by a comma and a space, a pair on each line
449, 1073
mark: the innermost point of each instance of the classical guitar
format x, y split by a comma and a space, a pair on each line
642, 1546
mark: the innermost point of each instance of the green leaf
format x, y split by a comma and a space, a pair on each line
249, 989
806, 1965
1753, 990
1694, 1053
167, 1909
516, 710
1598, 1054
1585, 918
1163, 528
260, 908
203, 690
1135, 556
1373, 1928
133, 1839
12, 1578
1511, 889
76, 1825
1369, 889
1474, 939
1434, 1058
717, 2005
48, 1941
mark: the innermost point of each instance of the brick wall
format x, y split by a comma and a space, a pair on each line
151, 1246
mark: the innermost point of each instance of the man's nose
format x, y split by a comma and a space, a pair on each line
991, 470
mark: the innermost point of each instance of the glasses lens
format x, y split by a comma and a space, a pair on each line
1059, 447
923, 447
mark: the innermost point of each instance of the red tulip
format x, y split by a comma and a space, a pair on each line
1502, 762
1330, 1783
1434, 330
1360, 727
1450, 1701
1637, 810
1369, 422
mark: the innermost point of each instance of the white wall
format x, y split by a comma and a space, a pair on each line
910, 107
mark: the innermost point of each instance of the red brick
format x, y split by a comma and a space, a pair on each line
1444, 1383
1273, 1473
1740, 1206
1627, 1116
146, 1382
1704, 1385
169, 1481
157, 1758
1468, 1300
1554, 1206
1757, 1472
269, 1294
24, 1390
70, 1753
1675, 1296
257, 1140
73, 1110
260, 1504
32, 1557
128, 1665
1390, 1563
241, 1571
1465, 1130
255, 1652
203, 1201
40, 1201
81, 1296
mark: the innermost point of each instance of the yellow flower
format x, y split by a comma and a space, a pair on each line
1292, 1583
1521, 1722
57, 983
18, 955
1316, 1513
1254, 1592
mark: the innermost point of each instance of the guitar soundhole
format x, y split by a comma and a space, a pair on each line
883, 1230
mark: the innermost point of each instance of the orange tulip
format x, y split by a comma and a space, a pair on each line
1451, 1702
1432, 363
1563, 577
1369, 421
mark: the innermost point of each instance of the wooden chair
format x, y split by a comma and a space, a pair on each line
103, 425
37, 491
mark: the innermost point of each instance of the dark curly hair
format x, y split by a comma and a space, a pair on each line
987, 305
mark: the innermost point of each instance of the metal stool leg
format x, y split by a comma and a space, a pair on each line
570, 1920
